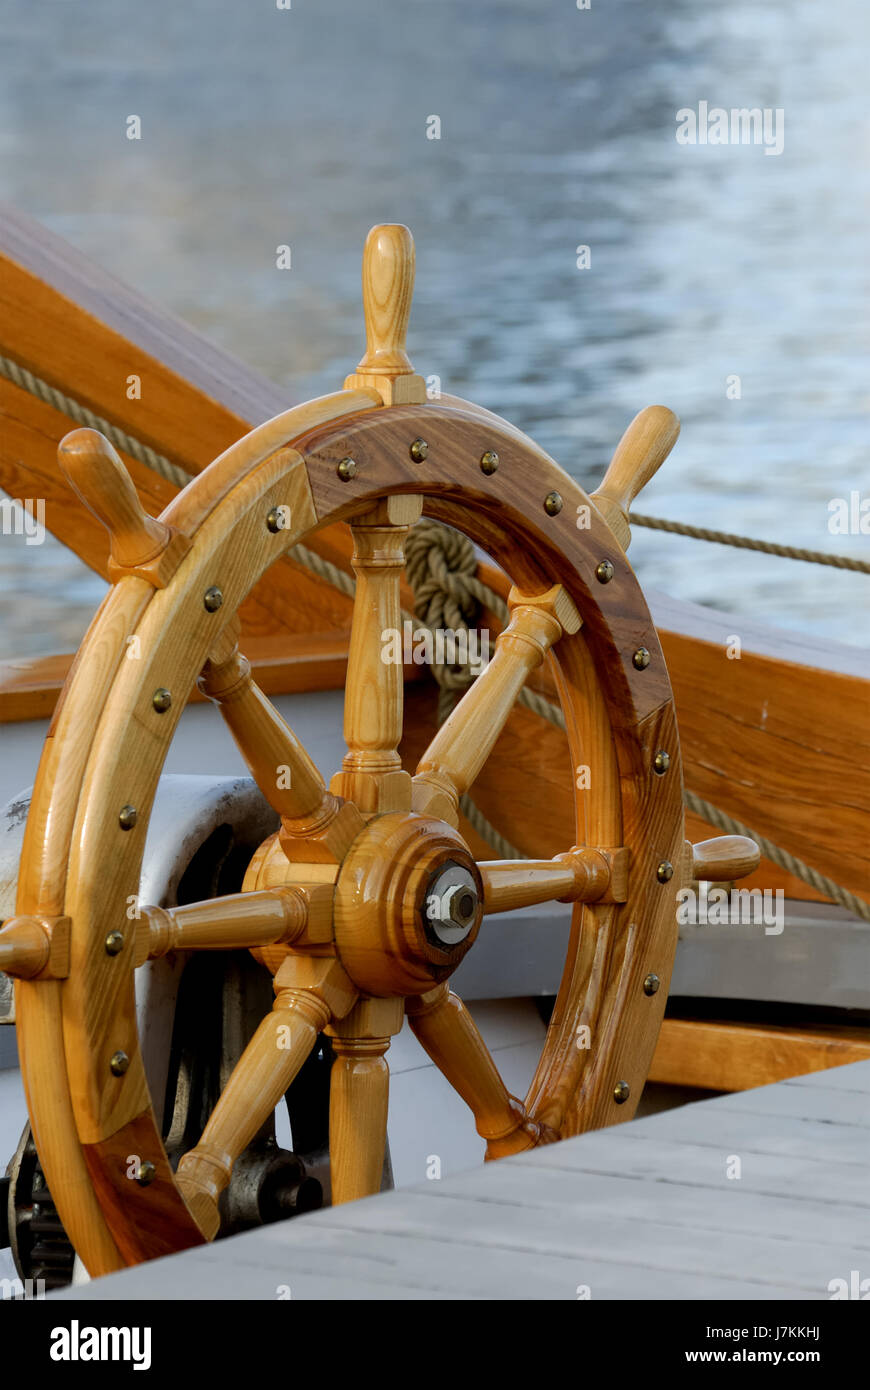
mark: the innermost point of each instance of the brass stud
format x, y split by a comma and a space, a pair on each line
665, 871
604, 571
161, 700
489, 462
275, 520
212, 599
651, 984
419, 450
146, 1172
118, 1063
661, 762
114, 943
621, 1092
552, 503
640, 660
127, 817
346, 470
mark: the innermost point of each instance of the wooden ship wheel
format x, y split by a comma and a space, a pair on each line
367, 898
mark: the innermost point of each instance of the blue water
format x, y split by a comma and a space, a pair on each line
262, 127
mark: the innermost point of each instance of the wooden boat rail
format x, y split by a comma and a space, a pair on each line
88, 336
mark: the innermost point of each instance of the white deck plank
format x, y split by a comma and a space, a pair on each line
639, 1211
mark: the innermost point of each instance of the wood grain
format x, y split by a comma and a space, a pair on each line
722, 1056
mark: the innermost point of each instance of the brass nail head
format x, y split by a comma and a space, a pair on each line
419, 450
489, 462
114, 943
553, 503
146, 1172
621, 1092
604, 571
212, 599
161, 699
118, 1063
665, 871
651, 984
661, 762
640, 660
346, 470
127, 817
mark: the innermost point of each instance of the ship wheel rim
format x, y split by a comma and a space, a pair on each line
123, 1226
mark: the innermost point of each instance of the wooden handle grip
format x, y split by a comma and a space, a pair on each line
639, 454
388, 287
96, 473
24, 947
725, 858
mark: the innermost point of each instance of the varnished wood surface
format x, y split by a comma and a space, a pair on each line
627, 1213
82, 330
79, 328
638, 456
327, 461
388, 287
721, 1056
281, 665
616, 717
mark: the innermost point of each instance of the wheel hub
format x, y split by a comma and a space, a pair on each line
451, 905
408, 904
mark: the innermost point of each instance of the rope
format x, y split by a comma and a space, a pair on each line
441, 566
21, 377
143, 453
788, 552
822, 884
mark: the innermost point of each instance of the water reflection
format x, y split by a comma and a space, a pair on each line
306, 126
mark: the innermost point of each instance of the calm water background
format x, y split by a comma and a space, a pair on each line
263, 127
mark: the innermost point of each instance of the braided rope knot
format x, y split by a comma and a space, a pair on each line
439, 562
441, 566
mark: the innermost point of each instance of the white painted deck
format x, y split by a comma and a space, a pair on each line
645, 1210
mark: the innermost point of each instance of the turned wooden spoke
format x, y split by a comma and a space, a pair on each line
581, 875
315, 824
724, 858
372, 775
263, 1074
445, 1028
236, 922
463, 744
25, 948
358, 1097
638, 456
140, 544
361, 909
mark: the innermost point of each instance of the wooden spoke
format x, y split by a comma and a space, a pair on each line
724, 858
25, 948
315, 824
368, 898
358, 1097
463, 744
140, 544
638, 456
239, 921
307, 994
388, 287
445, 1028
372, 775
581, 875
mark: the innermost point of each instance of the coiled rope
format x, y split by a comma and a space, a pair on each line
441, 565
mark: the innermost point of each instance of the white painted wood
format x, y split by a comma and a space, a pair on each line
641, 1211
